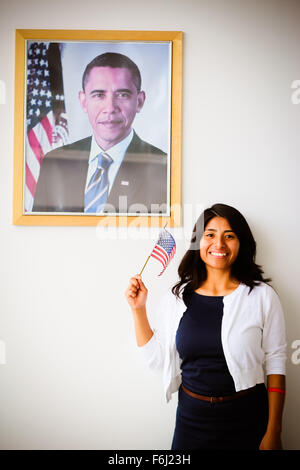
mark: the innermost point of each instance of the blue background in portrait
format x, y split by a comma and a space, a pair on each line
153, 59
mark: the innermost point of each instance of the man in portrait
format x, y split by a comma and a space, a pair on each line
113, 167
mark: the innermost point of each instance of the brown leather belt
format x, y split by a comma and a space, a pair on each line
218, 399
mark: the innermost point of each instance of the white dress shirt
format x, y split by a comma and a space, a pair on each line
117, 153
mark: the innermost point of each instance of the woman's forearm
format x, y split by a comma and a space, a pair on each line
272, 437
143, 331
276, 402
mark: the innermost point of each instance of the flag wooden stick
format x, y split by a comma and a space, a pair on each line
149, 256
145, 265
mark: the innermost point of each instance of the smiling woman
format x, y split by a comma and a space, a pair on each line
222, 245
216, 338
219, 248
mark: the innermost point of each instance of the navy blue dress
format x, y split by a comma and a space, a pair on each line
235, 424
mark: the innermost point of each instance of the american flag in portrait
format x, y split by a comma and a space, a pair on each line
164, 249
46, 120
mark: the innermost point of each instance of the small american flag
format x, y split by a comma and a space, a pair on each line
164, 249
46, 120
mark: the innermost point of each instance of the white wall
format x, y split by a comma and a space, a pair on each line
73, 378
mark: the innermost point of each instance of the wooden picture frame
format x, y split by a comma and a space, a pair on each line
23, 176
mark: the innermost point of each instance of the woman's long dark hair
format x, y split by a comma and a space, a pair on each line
192, 270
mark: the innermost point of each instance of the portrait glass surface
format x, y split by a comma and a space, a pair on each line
97, 128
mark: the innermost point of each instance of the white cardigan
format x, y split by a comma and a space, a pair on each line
252, 334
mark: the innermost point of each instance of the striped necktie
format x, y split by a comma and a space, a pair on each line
97, 191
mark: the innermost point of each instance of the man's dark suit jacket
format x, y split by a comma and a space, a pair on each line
142, 178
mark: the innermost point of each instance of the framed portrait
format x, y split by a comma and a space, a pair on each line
97, 128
